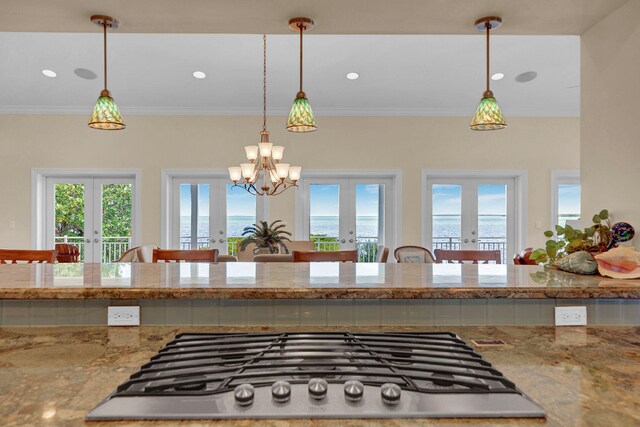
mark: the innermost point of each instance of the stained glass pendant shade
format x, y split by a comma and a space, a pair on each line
106, 115
488, 115
301, 117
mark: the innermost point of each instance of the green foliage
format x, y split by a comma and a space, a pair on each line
265, 235
70, 207
569, 240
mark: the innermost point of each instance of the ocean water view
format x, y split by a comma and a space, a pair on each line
366, 226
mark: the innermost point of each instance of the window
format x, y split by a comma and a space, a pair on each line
565, 198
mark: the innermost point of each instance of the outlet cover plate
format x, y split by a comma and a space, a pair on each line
571, 316
123, 315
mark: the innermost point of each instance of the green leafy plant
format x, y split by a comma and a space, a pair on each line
264, 235
566, 240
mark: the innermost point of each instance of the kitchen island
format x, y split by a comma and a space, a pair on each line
322, 294
587, 376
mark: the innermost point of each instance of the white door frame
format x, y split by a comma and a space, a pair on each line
520, 197
560, 177
39, 198
166, 197
395, 175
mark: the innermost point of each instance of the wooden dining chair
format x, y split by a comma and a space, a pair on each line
67, 253
193, 255
413, 255
460, 256
15, 256
383, 254
330, 256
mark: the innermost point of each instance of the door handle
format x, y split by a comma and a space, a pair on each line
343, 241
221, 240
96, 240
350, 240
473, 240
88, 240
466, 240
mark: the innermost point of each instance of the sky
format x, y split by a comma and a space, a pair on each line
324, 199
569, 199
239, 202
491, 199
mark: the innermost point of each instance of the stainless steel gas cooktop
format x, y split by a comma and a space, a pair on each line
316, 375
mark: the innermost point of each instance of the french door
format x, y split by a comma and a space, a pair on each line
471, 213
209, 212
348, 213
94, 214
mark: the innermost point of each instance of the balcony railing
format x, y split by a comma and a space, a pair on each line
111, 248
484, 243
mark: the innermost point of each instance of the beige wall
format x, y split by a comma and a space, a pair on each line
152, 143
610, 147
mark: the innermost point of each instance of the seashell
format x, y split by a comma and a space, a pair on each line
580, 262
620, 263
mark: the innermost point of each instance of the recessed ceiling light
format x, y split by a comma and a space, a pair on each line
353, 76
526, 76
199, 75
49, 73
497, 76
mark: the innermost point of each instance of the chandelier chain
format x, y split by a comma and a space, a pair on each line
488, 27
104, 25
264, 82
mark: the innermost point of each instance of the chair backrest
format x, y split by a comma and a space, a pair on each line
459, 256
67, 253
13, 256
383, 254
273, 258
226, 258
317, 256
195, 255
413, 255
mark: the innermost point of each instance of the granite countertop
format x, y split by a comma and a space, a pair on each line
586, 376
301, 281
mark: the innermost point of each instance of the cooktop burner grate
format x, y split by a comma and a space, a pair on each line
199, 376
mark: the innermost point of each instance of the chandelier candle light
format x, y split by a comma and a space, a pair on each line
301, 117
264, 159
106, 115
488, 115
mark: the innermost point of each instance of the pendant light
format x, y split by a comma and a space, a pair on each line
301, 116
106, 115
488, 115
265, 159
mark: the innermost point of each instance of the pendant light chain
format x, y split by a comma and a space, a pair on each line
264, 82
105, 53
301, 27
488, 27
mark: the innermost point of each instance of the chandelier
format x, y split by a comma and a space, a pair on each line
264, 174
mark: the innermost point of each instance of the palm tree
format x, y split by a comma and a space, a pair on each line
265, 235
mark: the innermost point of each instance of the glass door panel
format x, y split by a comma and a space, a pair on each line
369, 218
70, 216
324, 216
492, 218
569, 204
241, 213
116, 219
446, 218
194, 214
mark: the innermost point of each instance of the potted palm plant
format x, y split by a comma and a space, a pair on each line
268, 238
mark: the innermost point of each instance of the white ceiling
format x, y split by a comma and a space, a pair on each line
331, 16
399, 75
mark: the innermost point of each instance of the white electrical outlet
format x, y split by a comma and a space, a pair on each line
571, 316
123, 315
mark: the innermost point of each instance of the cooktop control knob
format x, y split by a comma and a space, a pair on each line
281, 391
390, 393
353, 390
318, 388
244, 394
